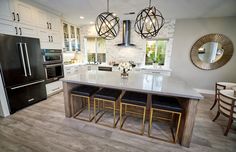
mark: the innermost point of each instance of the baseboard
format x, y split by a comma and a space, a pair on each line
204, 91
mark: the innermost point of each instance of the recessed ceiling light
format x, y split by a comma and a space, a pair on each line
114, 14
81, 17
91, 22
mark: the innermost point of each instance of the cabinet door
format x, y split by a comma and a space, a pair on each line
27, 31
54, 87
55, 23
42, 19
56, 37
25, 13
6, 11
57, 40
7, 27
43, 35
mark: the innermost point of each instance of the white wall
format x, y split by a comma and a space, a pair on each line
137, 53
187, 31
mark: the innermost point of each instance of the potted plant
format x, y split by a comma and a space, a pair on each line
154, 59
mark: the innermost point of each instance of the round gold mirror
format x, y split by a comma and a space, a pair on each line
211, 51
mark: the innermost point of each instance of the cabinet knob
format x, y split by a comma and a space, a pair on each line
14, 16
16, 30
18, 17
20, 31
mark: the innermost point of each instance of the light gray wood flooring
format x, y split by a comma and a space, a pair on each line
43, 128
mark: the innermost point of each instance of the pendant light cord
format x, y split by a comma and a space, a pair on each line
150, 1
107, 5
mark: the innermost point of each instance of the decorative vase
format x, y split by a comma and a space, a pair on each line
124, 75
155, 65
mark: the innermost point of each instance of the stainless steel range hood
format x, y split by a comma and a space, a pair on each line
126, 34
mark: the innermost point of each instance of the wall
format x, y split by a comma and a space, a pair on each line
187, 31
137, 53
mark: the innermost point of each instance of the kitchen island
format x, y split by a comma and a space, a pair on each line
141, 82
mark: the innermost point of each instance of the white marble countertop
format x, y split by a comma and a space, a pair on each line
147, 83
74, 64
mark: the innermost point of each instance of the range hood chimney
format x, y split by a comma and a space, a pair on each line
126, 34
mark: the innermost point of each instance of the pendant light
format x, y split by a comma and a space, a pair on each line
107, 24
148, 22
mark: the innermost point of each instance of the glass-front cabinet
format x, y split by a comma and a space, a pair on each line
95, 47
71, 38
66, 37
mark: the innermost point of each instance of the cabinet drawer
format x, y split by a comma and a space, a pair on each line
54, 87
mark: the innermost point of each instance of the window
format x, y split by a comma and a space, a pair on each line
156, 51
96, 49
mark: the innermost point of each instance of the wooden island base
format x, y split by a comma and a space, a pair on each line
187, 122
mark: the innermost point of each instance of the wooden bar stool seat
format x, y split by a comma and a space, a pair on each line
166, 105
133, 100
85, 93
106, 96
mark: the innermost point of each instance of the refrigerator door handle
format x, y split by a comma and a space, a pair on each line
26, 85
23, 59
27, 58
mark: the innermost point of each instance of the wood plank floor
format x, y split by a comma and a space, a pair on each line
43, 128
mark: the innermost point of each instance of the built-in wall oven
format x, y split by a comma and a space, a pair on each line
51, 56
53, 64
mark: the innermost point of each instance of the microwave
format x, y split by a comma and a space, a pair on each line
51, 56
54, 72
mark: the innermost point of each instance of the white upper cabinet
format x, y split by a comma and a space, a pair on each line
7, 27
23, 19
6, 10
48, 21
54, 23
27, 30
25, 13
42, 19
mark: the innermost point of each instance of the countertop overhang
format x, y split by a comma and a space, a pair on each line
140, 82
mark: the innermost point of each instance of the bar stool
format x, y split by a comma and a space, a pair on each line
166, 105
227, 107
221, 86
135, 100
106, 95
85, 93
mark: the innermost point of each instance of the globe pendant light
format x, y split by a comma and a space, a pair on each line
107, 24
148, 22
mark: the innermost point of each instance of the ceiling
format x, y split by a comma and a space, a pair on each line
71, 10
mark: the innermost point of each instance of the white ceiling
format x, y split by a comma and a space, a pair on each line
171, 9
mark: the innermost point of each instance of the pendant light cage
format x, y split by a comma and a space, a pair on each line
148, 22
107, 24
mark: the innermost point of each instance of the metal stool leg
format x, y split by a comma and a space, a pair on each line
121, 115
177, 129
144, 116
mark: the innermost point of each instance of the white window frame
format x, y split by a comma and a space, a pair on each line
168, 41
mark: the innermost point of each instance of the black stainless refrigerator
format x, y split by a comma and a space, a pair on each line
21, 66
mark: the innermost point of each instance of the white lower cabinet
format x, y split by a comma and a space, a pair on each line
74, 69
154, 71
54, 87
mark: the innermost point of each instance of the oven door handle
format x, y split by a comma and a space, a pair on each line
53, 65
